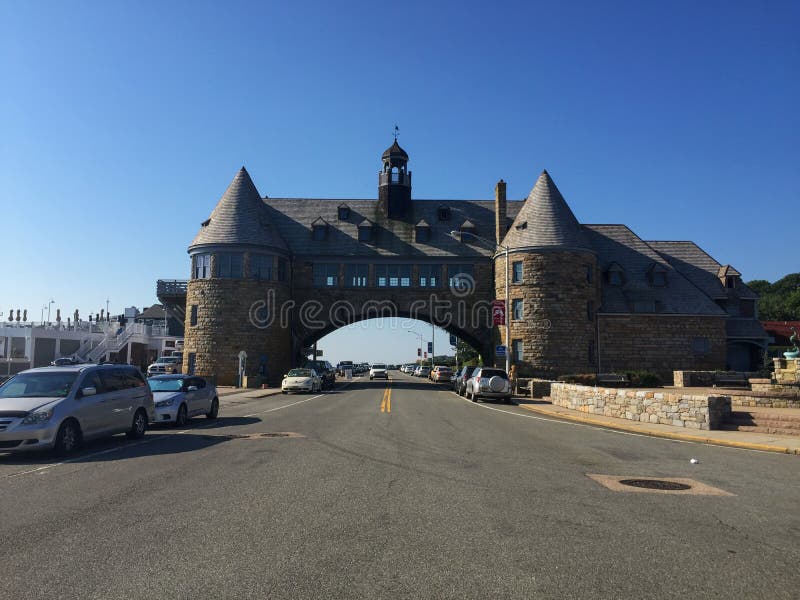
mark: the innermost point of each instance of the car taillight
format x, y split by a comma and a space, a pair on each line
478, 379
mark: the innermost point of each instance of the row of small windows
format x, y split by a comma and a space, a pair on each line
230, 265
343, 213
518, 309
460, 276
366, 231
615, 275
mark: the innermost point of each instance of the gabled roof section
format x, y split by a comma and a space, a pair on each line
366, 223
545, 221
319, 222
728, 271
468, 225
422, 223
240, 217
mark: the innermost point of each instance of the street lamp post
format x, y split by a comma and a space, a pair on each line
505, 249
49, 304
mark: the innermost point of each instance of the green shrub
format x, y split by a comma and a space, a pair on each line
644, 379
579, 379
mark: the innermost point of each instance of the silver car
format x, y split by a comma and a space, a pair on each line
488, 382
178, 398
59, 407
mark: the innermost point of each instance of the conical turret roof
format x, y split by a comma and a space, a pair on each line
240, 217
394, 151
545, 221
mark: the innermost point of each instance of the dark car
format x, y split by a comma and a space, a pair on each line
460, 379
325, 370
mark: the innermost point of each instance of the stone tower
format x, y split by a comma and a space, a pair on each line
394, 183
554, 286
239, 281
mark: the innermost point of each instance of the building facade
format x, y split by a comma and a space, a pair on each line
271, 276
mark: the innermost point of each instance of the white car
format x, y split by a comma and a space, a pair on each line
301, 380
166, 364
378, 371
178, 398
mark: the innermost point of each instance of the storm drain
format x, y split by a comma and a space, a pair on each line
657, 485
253, 436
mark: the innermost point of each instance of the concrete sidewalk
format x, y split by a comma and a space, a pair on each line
736, 439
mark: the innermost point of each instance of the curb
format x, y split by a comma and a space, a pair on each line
685, 437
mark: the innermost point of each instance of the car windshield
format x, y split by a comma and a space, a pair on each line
167, 359
38, 385
300, 373
166, 385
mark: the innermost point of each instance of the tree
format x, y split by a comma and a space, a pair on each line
780, 301
467, 355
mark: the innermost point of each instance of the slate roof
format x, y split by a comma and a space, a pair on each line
239, 218
618, 244
394, 151
546, 221
700, 268
292, 218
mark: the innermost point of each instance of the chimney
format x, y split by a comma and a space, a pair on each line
500, 219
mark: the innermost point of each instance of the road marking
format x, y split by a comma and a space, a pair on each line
386, 403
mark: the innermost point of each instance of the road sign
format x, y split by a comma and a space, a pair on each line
498, 312
453, 340
430, 347
500, 351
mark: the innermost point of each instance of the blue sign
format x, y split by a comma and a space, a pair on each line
453, 340
430, 347
500, 350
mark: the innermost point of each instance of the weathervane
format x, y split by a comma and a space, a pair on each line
396, 132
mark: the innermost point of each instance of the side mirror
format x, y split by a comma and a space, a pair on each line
285, 375
191, 388
88, 391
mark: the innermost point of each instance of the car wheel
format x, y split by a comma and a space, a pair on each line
181, 417
139, 425
68, 438
214, 411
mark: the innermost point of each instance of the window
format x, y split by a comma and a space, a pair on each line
614, 278
460, 277
356, 276
516, 272
590, 310
444, 213
701, 346
261, 266
659, 279
343, 212
430, 276
201, 266
365, 231
589, 273
192, 363
229, 265
517, 309
516, 350
326, 275
423, 233
193, 315
393, 275
730, 282
319, 232
281, 269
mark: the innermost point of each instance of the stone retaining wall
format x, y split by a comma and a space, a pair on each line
648, 406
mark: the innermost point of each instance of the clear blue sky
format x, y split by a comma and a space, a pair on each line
121, 124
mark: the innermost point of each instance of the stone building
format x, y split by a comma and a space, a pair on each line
271, 276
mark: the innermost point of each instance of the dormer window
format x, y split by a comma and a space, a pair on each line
730, 282
615, 275
365, 231
319, 229
467, 230
657, 275
728, 276
422, 231
444, 213
343, 212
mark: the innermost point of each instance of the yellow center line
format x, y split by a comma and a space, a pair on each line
386, 403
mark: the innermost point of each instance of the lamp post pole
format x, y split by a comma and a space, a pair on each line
507, 301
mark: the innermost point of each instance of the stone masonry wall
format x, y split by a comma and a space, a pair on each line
224, 328
561, 294
647, 406
660, 343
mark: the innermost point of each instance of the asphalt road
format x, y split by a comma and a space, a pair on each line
413, 493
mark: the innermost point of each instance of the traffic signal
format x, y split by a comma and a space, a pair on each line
419, 351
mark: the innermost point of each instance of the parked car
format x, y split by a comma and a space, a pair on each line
487, 382
325, 370
60, 407
441, 374
378, 371
178, 398
422, 371
460, 379
166, 364
343, 366
301, 380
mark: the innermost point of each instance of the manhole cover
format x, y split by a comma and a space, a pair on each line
656, 484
